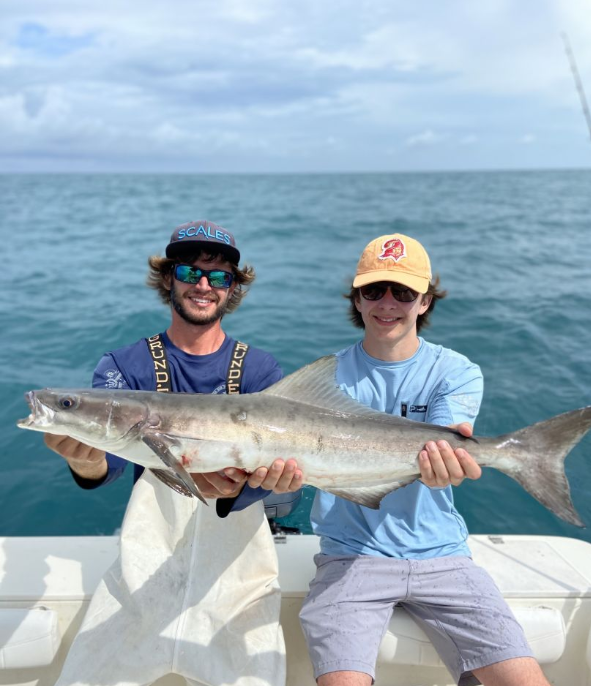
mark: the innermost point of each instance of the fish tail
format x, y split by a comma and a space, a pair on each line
540, 450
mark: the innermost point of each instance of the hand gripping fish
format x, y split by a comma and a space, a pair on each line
340, 445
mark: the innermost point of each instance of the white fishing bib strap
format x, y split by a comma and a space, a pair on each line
190, 594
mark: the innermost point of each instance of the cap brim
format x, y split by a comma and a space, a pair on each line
418, 283
182, 248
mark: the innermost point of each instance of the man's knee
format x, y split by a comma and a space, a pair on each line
518, 671
344, 679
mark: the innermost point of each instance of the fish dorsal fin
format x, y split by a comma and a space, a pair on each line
316, 385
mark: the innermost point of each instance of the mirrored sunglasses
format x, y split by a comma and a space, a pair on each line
216, 278
376, 291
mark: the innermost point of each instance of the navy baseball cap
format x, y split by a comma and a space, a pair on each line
203, 235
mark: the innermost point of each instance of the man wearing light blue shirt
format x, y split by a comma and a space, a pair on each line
412, 550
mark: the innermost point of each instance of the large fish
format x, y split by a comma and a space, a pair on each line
340, 445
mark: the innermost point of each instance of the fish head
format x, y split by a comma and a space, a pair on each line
98, 417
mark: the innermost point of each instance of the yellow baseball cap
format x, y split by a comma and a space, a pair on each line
395, 258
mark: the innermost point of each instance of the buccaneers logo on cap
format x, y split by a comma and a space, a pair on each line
393, 249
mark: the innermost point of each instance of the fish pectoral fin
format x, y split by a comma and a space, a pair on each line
177, 476
172, 481
370, 496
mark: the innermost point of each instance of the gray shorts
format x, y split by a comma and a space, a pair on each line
454, 601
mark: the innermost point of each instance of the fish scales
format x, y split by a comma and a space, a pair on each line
334, 447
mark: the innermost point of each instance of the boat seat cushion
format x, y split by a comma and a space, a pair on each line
405, 643
28, 637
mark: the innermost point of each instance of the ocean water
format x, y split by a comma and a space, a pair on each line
513, 249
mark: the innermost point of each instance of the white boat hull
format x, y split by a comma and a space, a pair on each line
546, 580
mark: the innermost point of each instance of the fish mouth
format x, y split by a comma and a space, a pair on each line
40, 414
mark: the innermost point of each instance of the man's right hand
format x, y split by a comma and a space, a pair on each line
87, 462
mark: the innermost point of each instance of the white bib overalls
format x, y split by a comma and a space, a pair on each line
190, 594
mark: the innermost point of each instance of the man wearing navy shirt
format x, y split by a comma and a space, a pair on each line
158, 611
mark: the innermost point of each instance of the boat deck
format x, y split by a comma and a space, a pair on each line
546, 580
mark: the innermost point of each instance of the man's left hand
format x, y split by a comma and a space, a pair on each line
282, 477
220, 484
441, 465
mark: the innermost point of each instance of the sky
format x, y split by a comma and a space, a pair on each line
262, 86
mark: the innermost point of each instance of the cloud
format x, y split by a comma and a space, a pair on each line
427, 137
285, 80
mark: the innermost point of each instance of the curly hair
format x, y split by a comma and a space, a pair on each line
422, 320
162, 267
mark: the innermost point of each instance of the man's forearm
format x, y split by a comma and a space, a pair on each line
92, 470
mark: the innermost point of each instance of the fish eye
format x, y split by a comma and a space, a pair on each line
67, 403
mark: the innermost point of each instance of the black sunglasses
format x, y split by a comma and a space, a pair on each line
216, 278
376, 291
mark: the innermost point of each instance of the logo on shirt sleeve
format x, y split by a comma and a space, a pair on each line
114, 379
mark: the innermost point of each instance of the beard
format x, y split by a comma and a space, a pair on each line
197, 319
